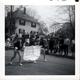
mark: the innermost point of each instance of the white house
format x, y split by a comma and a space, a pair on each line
25, 22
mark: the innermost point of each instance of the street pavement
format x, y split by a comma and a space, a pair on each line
55, 65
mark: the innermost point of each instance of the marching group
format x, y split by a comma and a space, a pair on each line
50, 44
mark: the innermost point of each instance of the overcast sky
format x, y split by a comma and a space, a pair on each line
50, 14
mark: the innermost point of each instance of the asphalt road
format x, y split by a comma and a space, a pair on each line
54, 65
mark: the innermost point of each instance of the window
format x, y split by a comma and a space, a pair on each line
33, 24
22, 22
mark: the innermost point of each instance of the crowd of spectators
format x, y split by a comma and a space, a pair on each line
50, 43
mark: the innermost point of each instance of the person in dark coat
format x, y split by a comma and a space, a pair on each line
66, 45
61, 46
32, 39
73, 48
51, 44
23, 36
43, 44
17, 49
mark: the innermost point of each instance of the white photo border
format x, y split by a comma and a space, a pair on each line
2, 40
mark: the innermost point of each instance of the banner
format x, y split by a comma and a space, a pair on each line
31, 53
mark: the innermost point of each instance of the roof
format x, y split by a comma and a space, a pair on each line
18, 14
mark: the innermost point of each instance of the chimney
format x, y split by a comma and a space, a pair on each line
24, 10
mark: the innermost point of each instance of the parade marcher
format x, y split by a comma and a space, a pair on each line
23, 36
31, 42
32, 38
17, 48
27, 35
36, 43
26, 43
43, 43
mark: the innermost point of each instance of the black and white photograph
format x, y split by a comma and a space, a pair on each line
39, 39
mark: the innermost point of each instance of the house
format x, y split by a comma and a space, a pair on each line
25, 22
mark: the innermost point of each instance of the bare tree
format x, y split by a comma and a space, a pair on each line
44, 28
69, 10
71, 13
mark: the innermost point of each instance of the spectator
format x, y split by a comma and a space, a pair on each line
66, 44
73, 47
61, 46
51, 44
